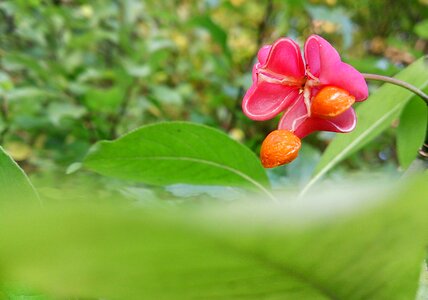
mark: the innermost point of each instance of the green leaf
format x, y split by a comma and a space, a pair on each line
240, 251
411, 131
29, 93
374, 116
57, 111
167, 96
217, 33
104, 100
14, 184
421, 29
178, 152
20, 61
19, 293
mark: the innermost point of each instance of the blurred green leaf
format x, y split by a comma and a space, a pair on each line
423, 283
19, 61
58, 111
29, 92
20, 293
217, 33
177, 152
6, 83
374, 116
104, 99
14, 184
411, 131
371, 64
167, 96
138, 71
421, 29
241, 251
2, 125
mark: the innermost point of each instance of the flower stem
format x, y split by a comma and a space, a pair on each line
398, 82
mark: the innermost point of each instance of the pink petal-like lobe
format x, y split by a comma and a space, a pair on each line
345, 122
319, 54
294, 116
324, 62
285, 58
346, 77
276, 80
264, 100
263, 54
296, 119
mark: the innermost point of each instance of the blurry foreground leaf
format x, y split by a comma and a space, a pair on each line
246, 251
411, 131
14, 184
178, 152
20, 293
374, 116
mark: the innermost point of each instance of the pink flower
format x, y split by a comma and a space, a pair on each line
284, 82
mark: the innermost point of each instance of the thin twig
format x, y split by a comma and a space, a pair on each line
398, 82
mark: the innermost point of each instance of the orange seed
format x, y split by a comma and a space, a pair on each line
279, 147
330, 102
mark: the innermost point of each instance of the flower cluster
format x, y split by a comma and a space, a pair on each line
313, 94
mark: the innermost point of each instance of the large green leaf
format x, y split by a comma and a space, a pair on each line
241, 251
14, 184
178, 152
374, 116
411, 131
15, 188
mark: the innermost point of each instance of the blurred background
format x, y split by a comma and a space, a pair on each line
75, 72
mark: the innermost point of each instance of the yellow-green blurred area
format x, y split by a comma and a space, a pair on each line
75, 72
